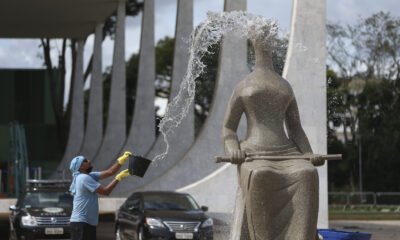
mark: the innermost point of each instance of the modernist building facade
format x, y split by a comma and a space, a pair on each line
189, 166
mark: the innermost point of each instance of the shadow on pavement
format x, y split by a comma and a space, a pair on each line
105, 229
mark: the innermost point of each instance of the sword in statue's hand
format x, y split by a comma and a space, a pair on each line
260, 156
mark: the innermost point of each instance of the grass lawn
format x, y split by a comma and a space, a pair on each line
364, 213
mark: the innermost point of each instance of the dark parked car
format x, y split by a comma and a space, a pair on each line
162, 215
42, 212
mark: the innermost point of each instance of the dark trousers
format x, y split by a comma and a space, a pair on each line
82, 231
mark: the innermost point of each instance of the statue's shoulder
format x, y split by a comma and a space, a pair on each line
286, 83
242, 84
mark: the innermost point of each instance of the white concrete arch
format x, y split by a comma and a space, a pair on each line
142, 130
199, 160
183, 137
115, 132
76, 130
305, 69
94, 122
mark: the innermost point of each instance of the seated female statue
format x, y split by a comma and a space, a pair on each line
280, 197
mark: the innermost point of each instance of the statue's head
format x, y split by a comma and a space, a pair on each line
262, 37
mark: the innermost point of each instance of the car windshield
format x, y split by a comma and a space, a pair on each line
172, 202
47, 199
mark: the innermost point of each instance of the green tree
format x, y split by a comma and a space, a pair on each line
380, 136
365, 57
164, 62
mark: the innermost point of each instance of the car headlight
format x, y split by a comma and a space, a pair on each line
29, 221
152, 222
207, 223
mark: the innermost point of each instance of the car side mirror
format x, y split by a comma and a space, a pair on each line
13, 208
133, 208
204, 208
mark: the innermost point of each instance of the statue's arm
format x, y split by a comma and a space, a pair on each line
230, 125
295, 130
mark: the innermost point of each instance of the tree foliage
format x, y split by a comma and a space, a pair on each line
363, 102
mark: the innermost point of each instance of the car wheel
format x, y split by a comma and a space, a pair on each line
140, 234
118, 233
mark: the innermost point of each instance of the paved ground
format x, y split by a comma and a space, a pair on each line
380, 230
105, 230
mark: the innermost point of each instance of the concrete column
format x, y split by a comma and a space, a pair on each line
115, 132
183, 137
305, 70
199, 161
94, 123
76, 129
184, 26
142, 131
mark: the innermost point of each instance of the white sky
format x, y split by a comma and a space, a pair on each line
16, 53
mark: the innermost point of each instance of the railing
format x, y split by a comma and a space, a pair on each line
366, 199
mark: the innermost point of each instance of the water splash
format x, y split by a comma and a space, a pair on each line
211, 31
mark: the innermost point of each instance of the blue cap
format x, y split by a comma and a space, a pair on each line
74, 167
76, 163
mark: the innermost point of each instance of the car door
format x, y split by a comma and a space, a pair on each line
124, 218
134, 216
129, 217
121, 221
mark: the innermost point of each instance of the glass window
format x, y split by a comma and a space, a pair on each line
47, 199
176, 202
132, 201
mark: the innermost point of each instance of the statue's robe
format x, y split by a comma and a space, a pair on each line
277, 199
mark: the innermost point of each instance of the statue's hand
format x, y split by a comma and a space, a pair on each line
237, 156
317, 160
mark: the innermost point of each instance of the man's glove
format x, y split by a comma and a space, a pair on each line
122, 175
121, 160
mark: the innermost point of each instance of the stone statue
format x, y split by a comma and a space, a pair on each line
279, 190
